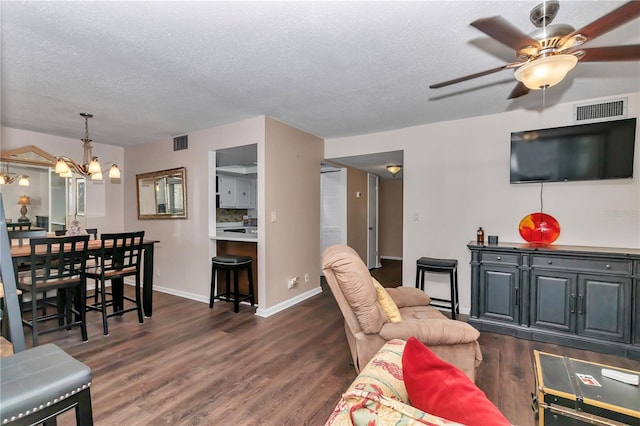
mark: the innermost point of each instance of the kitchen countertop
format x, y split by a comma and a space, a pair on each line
250, 234
235, 236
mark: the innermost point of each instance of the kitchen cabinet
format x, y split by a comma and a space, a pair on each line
244, 193
253, 190
585, 297
235, 192
228, 191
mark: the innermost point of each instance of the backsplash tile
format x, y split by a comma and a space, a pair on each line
230, 215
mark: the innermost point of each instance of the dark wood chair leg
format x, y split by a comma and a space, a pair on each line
84, 412
103, 305
139, 300
236, 296
213, 285
251, 291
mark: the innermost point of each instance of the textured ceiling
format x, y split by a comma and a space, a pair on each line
151, 70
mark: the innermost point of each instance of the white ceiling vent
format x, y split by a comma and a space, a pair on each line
603, 111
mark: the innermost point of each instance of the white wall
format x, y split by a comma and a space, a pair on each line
456, 178
104, 200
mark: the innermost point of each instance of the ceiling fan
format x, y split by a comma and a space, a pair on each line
546, 55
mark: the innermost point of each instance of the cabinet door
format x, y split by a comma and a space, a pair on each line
553, 300
253, 191
604, 307
228, 191
636, 318
244, 193
499, 293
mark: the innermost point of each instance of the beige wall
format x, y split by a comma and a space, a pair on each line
390, 218
292, 189
104, 200
456, 178
183, 256
357, 233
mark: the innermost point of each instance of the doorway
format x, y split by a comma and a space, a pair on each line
389, 201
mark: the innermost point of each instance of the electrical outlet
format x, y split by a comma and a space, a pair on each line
158, 272
291, 283
306, 277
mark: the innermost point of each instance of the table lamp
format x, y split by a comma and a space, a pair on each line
24, 201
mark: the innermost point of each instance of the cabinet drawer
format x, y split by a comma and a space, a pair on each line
497, 257
603, 265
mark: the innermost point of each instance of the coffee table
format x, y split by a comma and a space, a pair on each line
570, 391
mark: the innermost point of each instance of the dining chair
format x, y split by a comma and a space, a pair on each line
21, 237
19, 226
37, 384
119, 257
57, 263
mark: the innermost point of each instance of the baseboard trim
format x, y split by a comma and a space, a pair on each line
391, 257
183, 294
264, 313
288, 303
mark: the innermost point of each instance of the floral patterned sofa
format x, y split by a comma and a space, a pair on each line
406, 383
378, 395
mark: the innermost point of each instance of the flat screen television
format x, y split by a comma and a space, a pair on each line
582, 152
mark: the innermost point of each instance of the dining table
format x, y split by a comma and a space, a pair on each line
22, 253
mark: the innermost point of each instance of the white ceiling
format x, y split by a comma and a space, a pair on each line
152, 70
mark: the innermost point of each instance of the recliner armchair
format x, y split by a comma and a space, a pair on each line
368, 328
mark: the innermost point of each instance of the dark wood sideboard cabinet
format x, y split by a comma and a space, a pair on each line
584, 297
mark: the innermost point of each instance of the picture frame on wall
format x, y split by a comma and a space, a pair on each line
81, 197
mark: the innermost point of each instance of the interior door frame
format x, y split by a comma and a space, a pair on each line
373, 253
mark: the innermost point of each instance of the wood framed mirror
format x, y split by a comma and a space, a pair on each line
162, 194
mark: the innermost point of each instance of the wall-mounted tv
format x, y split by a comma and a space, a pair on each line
583, 152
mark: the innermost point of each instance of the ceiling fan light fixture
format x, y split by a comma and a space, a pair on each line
545, 72
24, 180
394, 169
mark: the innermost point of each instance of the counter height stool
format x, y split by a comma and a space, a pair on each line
450, 266
231, 264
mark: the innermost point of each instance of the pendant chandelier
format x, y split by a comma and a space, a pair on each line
90, 166
6, 178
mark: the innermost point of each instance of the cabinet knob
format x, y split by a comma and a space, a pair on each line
607, 266
549, 262
498, 258
228, 192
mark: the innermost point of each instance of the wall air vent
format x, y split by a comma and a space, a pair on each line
603, 111
180, 143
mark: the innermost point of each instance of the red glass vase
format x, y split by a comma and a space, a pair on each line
539, 228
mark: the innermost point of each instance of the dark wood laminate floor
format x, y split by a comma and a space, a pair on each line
189, 365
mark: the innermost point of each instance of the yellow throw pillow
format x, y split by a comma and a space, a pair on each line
386, 302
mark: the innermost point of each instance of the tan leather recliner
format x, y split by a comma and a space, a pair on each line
368, 328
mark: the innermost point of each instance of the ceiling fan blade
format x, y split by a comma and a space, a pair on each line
502, 30
472, 76
613, 53
519, 90
608, 22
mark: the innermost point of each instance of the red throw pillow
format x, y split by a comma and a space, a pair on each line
437, 387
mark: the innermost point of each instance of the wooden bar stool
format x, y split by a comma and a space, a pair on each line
450, 266
231, 264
